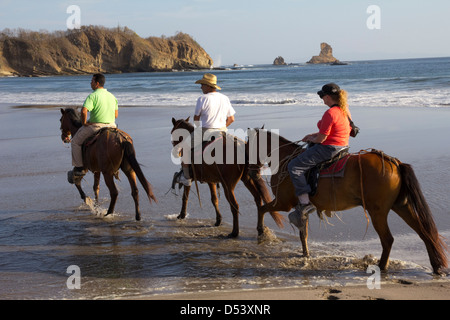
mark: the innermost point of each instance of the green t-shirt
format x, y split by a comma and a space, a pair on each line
102, 106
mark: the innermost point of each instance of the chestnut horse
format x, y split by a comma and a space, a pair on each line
112, 150
228, 174
377, 182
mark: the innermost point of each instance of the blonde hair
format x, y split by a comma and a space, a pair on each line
341, 99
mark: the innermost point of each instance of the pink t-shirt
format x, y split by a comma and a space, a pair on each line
335, 126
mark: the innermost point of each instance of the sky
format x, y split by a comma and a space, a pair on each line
258, 31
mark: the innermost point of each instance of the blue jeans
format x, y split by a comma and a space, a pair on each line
306, 160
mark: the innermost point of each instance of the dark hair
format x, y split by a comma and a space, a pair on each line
98, 77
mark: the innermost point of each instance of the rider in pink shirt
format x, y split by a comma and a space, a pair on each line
333, 136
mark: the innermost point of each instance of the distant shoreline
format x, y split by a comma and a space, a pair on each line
227, 67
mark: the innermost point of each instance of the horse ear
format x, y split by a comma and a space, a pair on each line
62, 111
173, 121
187, 119
263, 126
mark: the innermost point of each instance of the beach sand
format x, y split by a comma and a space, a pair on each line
394, 290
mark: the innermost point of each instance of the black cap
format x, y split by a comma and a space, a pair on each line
330, 88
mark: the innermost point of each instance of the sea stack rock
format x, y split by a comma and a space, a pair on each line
279, 61
325, 56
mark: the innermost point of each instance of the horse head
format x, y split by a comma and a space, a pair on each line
70, 123
183, 124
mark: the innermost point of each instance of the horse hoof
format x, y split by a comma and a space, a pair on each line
441, 272
181, 216
218, 223
262, 231
233, 235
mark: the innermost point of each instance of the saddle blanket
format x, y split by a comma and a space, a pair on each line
336, 169
328, 169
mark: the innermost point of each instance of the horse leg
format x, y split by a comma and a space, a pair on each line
215, 202
261, 195
80, 190
131, 175
109, 180
304, 239
379, 221
186, 191
258, 201
96, 185
229, 194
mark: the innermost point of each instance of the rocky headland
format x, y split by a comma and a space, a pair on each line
93, 49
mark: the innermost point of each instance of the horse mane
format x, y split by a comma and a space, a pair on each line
74, 116
282, 140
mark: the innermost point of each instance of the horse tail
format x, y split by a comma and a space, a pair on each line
265, 195
130, 156
416, 200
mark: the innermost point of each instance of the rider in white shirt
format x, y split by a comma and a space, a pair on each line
213, 112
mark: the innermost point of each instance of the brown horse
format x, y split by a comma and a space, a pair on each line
373, 180
228, 174
112, 150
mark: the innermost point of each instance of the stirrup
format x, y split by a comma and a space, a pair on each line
72, 179
79, 172
176, 178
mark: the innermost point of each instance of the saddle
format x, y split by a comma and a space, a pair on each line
119, 134
335, 167
92, 139
209, 145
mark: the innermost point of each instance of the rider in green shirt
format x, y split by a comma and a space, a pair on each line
103, 108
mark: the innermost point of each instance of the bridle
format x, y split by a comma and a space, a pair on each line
66, 135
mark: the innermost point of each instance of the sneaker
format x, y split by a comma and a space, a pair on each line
299, 216
185, 181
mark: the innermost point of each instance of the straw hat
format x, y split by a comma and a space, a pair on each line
210, 80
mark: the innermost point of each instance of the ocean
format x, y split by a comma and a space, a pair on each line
384, 83
45, 229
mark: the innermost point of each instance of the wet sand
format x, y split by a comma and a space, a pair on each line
398, 290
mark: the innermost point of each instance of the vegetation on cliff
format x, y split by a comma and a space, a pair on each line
92, 49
